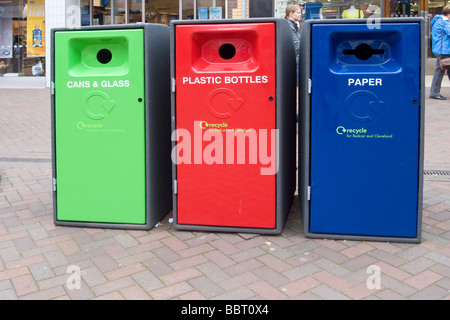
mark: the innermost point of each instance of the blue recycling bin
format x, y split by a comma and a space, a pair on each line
361, 131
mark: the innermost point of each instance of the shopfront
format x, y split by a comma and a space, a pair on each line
98, 12
103, 12
22, 38
354, 9
25, 24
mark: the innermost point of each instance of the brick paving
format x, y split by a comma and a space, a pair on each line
41, 261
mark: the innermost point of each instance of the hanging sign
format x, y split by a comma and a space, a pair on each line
36, 28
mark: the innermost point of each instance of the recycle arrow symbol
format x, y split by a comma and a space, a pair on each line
91, 102
108, 105
234, 102
375, 105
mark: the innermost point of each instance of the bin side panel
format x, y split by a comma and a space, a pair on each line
99, 126
221, 93
365, 131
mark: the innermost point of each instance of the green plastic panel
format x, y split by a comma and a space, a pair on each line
100, 153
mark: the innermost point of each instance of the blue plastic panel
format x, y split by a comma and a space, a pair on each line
365, 117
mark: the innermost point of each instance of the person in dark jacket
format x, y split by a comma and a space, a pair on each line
441, 48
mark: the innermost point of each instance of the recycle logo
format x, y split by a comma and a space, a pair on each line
97, 104
222, 101
364, 106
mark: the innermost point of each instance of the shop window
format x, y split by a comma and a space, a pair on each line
22, 38
105, 12
101, 12
85, 12
404, 8
119, 16
134, 11
337, 9
206, 9
161, 11
211, 9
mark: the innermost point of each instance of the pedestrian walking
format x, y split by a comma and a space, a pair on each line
441, 48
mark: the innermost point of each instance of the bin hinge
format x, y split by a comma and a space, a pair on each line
54, 184
52, 88
309, 86
173, 85
175, 187
309, 193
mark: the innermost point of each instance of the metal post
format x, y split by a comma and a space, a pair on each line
91, 11
113, 9
226, 9
427, 30
126, 11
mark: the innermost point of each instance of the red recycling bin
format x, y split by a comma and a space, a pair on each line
234, 125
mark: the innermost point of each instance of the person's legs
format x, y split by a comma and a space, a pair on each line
437, 80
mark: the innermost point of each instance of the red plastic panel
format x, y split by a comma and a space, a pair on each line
225, 120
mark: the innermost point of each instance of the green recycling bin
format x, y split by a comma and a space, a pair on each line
110, 92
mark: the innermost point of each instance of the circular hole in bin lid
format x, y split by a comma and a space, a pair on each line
104, 56
363, 51
227, 51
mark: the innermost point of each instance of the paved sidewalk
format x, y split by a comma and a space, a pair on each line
39, 260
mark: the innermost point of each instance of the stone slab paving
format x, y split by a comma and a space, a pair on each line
39, 260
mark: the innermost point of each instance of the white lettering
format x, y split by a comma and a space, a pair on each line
78, 84
115, 83
226, 146
226, 79
74, 280
202, 80
374, 280
36, 11
371, 82
73, 16
193, 310
95, 84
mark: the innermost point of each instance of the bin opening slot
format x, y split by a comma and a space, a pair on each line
99, 54
363, 51
104, 56
227, 51
225, 48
